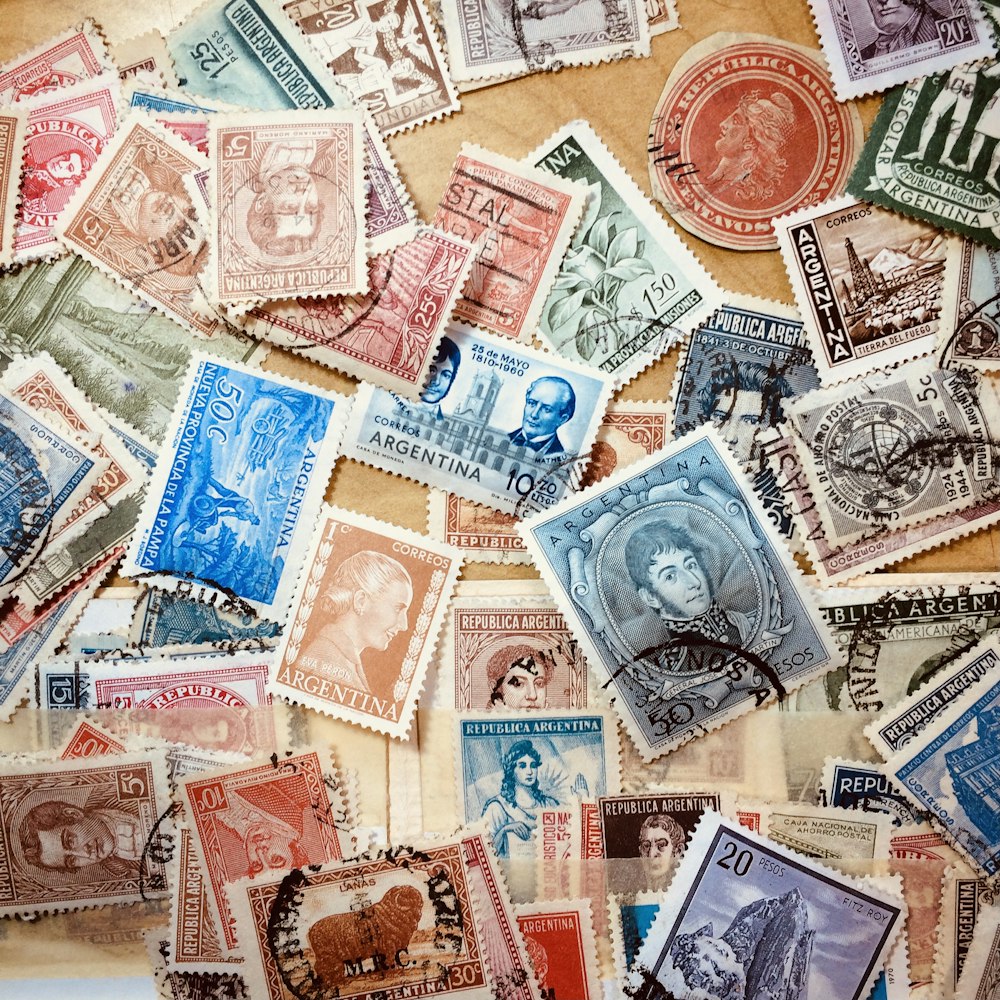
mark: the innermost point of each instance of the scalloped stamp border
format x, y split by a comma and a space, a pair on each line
13, 124
969, 332
144, 59
560, 941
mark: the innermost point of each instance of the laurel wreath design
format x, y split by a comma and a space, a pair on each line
422, 624
309, 594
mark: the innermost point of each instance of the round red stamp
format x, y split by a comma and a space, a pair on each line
748, 128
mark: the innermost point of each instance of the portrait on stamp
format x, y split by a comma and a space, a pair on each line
549, 402
903, 24
519, 677
661, 845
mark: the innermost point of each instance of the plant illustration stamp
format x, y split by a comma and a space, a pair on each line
873, 44
511, 766
515, 431
747, 128
520, 220
249, 820
389, 336
365, 621
13, 124
232, 501
682, 595
745, 917
559, 937
289, 205
76, 833
869, 280
933, 152
628, 288
969, 332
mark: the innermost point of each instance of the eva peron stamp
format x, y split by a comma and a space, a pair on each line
681, 593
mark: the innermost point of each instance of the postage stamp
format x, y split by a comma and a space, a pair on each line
897, 448
869, 280
732, 937
630, 917
257, 818
507, 648
389, 336
682, 595
519, 219
86, 739
873, 45
662, 15
144, 59
233, 501
78, 53
187, 117
365, 621
980, 969
559, 937
511, 766
628, 288
13, 124
77, 833
133, 219
933, 152
288, 205
969, 332
165, 619
748, 128
855, 784
965, 904
515, 437
493, 40
386, 53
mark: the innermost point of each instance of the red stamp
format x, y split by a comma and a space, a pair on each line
87, 740
520, 220
289, 205
748, 128
262, 818
388, 336
559, 937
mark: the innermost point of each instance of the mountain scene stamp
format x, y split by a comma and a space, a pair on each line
969, 332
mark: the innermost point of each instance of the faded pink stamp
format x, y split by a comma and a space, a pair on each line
289, 205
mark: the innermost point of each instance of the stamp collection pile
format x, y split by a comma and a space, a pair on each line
707, 739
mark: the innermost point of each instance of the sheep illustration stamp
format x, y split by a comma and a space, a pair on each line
365, 622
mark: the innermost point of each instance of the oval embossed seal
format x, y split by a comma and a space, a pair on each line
747, 128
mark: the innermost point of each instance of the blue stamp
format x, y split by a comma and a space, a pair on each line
636, 918
513, 767
497, 423
236, 491
165, 619
674, 580
849, 784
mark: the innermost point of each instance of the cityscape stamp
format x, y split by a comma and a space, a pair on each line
559, 937
933, 152
490, 41
897, 448
682, 595
514, 434
13, 124
748, 128
76, 833
68, 129
133, 218
365, 621
628, 288
389, 336
512, 766
288, 201
252, 819
872, 45
233, 500
969, 332
870, 282
520, 220
165, 619
386, 54
786, 924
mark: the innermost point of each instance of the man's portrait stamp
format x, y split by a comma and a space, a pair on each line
897, 448
233, 499
969, 332
873, 44
869, 281
559, 937
497, 422
389, 336
13, 124
386, 53
510, 767
76, 833
289, 205
519, 219
628, 288
365, 621
255, 819
792, 924
747, 128
133, 218
684, 598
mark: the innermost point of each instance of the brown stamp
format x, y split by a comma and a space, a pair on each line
289, 205
365, 621
12, 130
89, 740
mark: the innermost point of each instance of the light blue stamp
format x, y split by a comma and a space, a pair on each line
686, 602
498, 423
165, 619
238, 486
513, 767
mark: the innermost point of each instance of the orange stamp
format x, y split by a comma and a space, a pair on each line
289, 217
12, 132
365, 621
